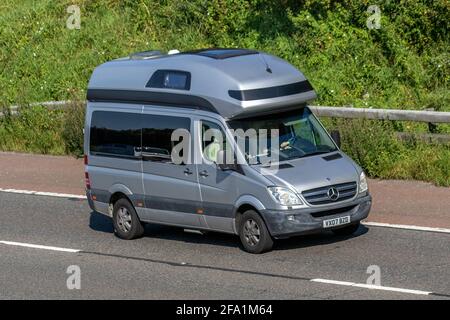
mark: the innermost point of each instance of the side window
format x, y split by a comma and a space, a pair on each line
170, 79
115, 133
213, 140
157, 144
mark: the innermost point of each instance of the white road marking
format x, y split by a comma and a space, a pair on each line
326, 281
407, 227
394, 289
43, 193
83, 197
37, 246
371, 286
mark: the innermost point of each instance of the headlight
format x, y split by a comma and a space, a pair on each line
362, 183
285, 196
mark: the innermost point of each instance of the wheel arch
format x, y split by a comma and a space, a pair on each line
118, 191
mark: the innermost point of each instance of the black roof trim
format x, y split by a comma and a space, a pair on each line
271, 92
150, 97
221, 53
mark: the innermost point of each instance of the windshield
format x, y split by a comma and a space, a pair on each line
299, 135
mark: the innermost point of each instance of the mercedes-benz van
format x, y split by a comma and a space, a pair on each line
144, 109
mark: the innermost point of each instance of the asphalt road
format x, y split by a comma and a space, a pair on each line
171, 264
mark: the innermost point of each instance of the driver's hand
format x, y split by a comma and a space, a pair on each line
284, 145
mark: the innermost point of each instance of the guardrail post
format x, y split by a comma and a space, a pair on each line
432, 127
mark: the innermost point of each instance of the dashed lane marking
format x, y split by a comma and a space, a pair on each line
38, 246
187, 265
406, 227
43, 193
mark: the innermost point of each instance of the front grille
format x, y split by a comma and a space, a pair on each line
319, 196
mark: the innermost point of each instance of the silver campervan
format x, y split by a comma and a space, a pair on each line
216, 140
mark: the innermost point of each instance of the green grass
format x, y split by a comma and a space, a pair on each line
35, 130
373, 145
405, 64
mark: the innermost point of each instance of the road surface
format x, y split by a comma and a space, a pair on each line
169, 263
394, 201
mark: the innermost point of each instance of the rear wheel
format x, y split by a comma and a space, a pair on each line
126, 222
347, 231
253, 233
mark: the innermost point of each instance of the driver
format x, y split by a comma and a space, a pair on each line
212, 149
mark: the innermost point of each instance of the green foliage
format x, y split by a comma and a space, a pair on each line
374, 146
32, 129
37, 129
405, 64
73, 124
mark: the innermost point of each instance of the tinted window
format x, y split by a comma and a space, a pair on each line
115, 133
157, 132
170, 79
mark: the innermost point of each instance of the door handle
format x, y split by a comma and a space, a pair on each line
187, 171
204, 173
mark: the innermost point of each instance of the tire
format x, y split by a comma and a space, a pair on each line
346, 231
126, 222
253, 233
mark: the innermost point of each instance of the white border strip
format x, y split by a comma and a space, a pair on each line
37, 246
371, 286
42, 193
407, 227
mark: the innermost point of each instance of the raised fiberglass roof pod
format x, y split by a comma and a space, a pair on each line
231, 82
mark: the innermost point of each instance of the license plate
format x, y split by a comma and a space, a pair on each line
336, 222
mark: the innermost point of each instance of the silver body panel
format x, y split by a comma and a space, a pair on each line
162, 193
315, 172
211, 79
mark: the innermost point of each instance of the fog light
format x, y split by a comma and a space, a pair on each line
291, 217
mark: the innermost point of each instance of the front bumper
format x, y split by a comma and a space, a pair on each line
310, 220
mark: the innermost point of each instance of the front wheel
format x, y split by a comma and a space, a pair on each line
347, 231
253, 233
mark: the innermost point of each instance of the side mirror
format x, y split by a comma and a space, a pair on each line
336, 136
222, 162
